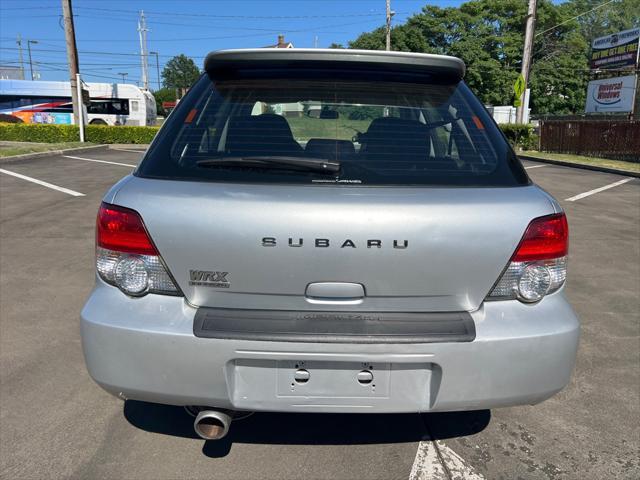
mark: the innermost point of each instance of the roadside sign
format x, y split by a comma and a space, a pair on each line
518, 88
86, 98
619, 50
611, 95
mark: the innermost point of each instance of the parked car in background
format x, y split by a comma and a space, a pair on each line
387, 254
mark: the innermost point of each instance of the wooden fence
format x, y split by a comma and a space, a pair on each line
617, 139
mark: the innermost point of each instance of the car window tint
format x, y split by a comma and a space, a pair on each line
382, 133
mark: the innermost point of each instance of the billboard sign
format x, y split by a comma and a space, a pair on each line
611, 95
619, 50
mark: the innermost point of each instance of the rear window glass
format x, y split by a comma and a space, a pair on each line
279, 129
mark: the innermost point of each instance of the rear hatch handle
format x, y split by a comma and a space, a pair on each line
335, 293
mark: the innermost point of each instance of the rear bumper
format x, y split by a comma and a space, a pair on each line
145, 349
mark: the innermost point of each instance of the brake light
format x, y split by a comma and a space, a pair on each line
545, 237
121, 229
125, 255
539, 265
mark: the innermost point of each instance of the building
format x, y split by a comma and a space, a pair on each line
10, 72
281, 43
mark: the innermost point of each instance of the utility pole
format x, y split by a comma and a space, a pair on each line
124, 74
72, 58
29, 43
526, 58
144, 57
157, 67
19, 43
390, 14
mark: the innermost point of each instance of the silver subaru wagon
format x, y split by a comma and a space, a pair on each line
329, 231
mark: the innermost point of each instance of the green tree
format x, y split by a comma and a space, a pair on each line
489, 35
164, 95
612, 18
180, 73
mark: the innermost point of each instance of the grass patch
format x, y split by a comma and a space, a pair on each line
8, 149
586, 160
304, 128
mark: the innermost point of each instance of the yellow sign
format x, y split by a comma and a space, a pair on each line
519, 86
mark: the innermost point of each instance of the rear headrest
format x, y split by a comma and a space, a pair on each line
259, 125
261, 134
397, 138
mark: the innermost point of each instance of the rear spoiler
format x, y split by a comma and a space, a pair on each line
452, 68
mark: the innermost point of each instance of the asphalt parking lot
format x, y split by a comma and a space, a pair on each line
56, 423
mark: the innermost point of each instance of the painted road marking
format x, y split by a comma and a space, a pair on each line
535, 166
125, 150
435, 461
598, 190
100, 161
44, 184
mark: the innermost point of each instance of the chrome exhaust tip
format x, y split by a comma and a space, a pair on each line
212, 424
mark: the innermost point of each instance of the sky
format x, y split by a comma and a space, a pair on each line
108, 42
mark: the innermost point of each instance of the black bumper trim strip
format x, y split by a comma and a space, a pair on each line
333, 327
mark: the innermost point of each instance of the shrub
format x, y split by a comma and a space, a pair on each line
120, 134
520, 135
36, 132
532, 142
24, 132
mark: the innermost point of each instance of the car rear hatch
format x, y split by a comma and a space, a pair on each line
440, 249
420, 208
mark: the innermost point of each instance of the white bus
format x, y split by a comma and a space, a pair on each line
50, 102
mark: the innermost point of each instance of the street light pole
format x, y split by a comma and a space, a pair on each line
29, 42
142, 30
124, 74
157, 67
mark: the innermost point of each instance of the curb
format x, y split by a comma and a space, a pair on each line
594, 168
29, 156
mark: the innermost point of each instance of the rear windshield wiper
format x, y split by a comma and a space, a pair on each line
303, 164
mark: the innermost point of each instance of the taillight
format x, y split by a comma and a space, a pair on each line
539, 265
125, 255
545, 238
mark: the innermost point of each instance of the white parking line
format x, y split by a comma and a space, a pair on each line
597, 190
535, 166
435, 461
44, 184
125, 150
100, 161
426, 465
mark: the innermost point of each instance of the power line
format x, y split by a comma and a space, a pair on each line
3, 17
245, 17
27, 8
577, 16
268, 33
89, 52
242, 27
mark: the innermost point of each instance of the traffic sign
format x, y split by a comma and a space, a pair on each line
519, 86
